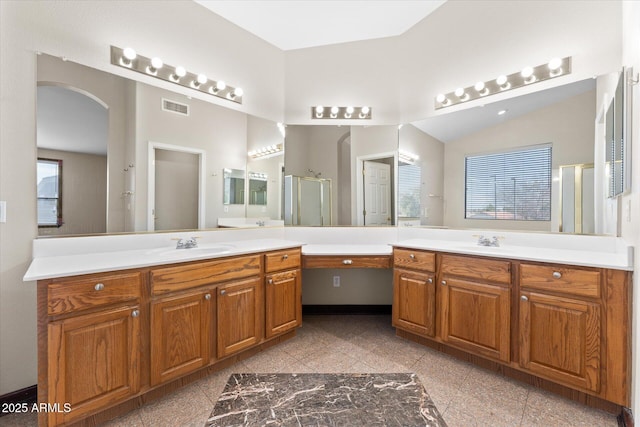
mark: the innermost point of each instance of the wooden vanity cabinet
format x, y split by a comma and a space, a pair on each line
91, 357
240, 306
414, 292
560, 324
182, 328
283, 292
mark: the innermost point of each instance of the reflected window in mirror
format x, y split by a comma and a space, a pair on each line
512, 185
49, 178
233, 190
257, 188
409, 176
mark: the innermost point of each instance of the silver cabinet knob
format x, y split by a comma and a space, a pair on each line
557, 275
207, 297
285, 256
222, 292
347, 262
135, 313
443, 283
270, 281
412, 256
524, 298
429, 280
99, 286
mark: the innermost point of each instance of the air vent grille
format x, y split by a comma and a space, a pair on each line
175, 107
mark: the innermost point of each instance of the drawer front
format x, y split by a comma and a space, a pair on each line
477, 268
282, 260
65, 295
414, 259
567, 280
187, 276
331, 261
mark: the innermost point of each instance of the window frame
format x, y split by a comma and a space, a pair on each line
504, 171
59, 220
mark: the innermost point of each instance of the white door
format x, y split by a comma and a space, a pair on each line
176, 190
377, 193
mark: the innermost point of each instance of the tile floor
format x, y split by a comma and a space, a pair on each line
464, 394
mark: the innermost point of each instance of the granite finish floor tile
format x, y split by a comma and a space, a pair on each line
464, 394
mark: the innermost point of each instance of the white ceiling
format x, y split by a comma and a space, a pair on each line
452, 126
300, 24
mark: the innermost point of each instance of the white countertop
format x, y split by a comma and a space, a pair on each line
580, 257
349, 250
50, 267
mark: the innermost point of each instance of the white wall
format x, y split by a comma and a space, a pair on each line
568, 125
630, 218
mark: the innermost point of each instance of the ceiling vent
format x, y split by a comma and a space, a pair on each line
175, 107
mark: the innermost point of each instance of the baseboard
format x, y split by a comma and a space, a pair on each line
346, 309
27, 395
625, 419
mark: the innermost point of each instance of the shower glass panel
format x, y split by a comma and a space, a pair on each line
307, 201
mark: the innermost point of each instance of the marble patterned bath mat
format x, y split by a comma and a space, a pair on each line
324, 400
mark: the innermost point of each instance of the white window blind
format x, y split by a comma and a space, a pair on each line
513, 185
408, 191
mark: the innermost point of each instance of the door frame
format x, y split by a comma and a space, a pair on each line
151, 180
360, 184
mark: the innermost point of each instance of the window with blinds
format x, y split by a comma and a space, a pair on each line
512, 185
408, 191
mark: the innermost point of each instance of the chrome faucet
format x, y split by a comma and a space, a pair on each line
260, 223
485, 241
187, 243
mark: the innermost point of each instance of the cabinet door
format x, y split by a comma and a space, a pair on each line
560, 339
475, 316
180, 330
283, 302
240, 315
94, 361
414, 302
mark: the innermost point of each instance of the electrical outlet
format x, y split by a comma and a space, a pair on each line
226, 208
336, 281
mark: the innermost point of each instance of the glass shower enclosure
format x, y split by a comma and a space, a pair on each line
307, 201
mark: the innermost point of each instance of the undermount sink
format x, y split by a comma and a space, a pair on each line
198, 251
478, 248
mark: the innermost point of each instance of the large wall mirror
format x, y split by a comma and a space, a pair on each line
340, 175
136, 157
517, 183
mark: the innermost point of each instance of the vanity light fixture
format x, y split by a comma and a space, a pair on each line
335, 112
407, 157
266, 152
258, 176
554, 68
155, 67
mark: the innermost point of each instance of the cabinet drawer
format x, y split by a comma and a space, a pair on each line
413, 259
477, 268
282, 260
171, 279
67, 295
572, 281
330, 261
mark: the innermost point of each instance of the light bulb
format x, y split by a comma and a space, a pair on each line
501, 80
180, 71
319, 109
202, 79
441, 98
156, 63
365, 110
349, 110
555, 63
459, 92
479, 86
129, 53
334, 110
526, 72
238, 91
221, 85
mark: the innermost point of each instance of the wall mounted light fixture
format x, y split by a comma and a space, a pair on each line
407, 157
555, 68
266, 152
155, 67
341, 113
